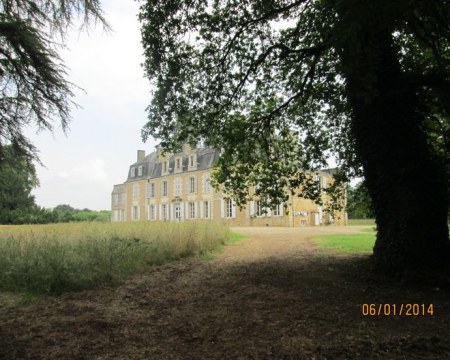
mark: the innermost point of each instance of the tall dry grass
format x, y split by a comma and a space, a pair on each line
53, 259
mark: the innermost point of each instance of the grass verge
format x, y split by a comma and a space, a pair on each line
347, 244
361, 222
232, 241
52, 259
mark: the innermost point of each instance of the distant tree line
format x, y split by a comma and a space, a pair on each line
359, 202
17, 204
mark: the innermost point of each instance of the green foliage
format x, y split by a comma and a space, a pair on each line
33, 85
52, 259
359, 202
348, 244
17, 180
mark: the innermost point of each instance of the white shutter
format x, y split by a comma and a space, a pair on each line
181, 211
139, 213
233, 210
160, 212
269, 212
187, 185
132, 215
324, 182
187, 210
201, 210
172, 217
203, 183
162, 187
195, 210
211, 212
222, 208
195, 184
252, 208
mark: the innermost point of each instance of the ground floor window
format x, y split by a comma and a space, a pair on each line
152, 212
229, 208
277, 210
164, 212
206, 209
135, 212
259, 209
302, 222
177, 212
192, 214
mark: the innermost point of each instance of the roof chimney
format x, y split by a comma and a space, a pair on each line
186, 148
140, 155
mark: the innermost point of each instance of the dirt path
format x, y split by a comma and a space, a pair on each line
275, 295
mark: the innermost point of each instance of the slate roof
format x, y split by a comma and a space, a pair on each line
151, 169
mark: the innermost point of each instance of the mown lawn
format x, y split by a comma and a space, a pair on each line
361, 222
347, 244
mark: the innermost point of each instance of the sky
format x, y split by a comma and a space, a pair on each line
82, 165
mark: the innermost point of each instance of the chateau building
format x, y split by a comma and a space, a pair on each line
176, 187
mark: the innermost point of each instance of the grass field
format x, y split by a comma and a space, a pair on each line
347, 244
52, 259
361, 222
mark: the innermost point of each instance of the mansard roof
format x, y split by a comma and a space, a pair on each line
152, 168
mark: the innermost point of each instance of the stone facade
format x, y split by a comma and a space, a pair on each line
176, 187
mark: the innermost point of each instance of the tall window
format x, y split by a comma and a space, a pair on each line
192, 187
191, 160
152, 212
122, 199
206, 185
317, 181
164, 212
140, 170
206, 209
178, 164
192, 214
135, 212
259, 208
116, 199
147, 190
177, 187
177, 212
164, 189
229, 208
165, 166
152, 190
135, 192
133, 172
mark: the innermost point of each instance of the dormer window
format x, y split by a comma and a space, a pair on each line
192, 162
133, 172
140, 170
178, 164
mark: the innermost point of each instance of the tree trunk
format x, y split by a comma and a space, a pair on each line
407, 186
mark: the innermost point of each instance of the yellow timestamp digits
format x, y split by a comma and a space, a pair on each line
397, 309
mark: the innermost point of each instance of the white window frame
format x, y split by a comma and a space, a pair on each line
165, 213
177, 187
206, 185
136, 192
133, 172
152, 212
206, 210
192, 185
135, 214
178, 164
140, 170
153, 190
276, 211
229, 208
259, 208
191, 160
122, 199
147, 190
116, 199
192, 210
164, 188
302, 222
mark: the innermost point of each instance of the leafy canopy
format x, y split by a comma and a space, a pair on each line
33, 85
241, 75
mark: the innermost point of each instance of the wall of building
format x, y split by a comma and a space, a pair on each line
184, 194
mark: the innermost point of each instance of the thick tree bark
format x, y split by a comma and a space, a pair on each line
403, 177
